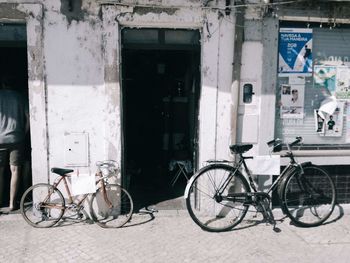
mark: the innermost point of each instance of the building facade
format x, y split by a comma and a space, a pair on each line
148, 83
303, 51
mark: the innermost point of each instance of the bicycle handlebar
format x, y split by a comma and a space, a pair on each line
277, 143
107, 164
298, 140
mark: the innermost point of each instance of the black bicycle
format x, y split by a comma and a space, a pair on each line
218, 195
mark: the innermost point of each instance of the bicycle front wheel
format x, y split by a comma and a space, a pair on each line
42, 205
217, 197
112, 209
308, 198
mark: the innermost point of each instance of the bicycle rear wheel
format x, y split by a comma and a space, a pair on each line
308, 198
213, 209
116, 215
42, 205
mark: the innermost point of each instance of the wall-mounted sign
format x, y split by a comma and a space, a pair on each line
292, 101
295, 51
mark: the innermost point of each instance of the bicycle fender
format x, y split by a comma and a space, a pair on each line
306, 164
189, 183
286, 176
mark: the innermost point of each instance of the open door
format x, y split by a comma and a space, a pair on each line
160, 91
14, 68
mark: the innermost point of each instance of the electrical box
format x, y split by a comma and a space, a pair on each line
248, 93
76, 149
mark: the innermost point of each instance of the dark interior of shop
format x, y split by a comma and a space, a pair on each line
13, 63
160, 102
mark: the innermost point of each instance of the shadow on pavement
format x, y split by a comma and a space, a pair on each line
144, 216
338, 212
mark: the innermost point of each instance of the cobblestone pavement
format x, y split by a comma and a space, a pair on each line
171, 236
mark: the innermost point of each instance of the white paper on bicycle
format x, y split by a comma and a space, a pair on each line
265, 165
83, 184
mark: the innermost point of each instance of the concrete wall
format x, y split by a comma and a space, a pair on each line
78, 98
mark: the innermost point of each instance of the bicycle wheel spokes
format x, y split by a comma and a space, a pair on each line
212, 203
113, 210
42, 205
309, 198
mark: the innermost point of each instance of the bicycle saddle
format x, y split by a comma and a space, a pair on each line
240, 148
61, 171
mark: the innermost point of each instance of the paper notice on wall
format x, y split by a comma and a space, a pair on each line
335, 79
265, 165
319, 122
325, 77
292, 101
296, 80
83, 184
343, 82
333, 123
328, 106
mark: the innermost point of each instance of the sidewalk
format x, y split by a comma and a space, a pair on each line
171, 236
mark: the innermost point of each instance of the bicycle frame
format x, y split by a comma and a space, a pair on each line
58, 180
292, 165
290, 168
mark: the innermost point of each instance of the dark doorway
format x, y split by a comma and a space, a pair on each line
14, 66
160, 87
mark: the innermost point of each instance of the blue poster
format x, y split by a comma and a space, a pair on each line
295, 51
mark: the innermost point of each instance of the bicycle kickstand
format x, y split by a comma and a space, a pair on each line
268, 215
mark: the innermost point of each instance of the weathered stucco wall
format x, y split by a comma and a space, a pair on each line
74, 65
76, 92
217, 58
87, 66
31, 14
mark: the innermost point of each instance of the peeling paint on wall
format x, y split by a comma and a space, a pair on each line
155, 10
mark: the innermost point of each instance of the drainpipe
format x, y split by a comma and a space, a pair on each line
236, 70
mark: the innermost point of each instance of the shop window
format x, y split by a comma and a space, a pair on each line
149, 36
160, 37
313, 91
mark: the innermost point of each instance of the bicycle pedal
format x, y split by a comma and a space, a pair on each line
276, 229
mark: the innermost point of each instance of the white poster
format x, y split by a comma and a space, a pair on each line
292, 101
333, 124
343, 82
83, 184
265, 165
328, 106
296, 80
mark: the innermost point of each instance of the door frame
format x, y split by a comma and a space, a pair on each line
160, 46
32, 16
216, 103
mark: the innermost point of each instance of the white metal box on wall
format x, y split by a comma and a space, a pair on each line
76, 149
